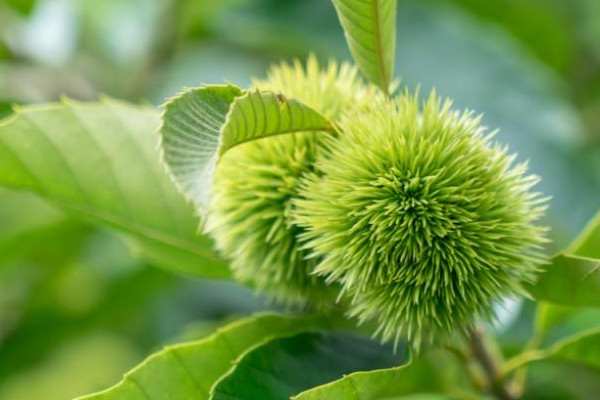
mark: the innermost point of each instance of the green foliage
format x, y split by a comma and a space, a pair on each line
200, 125
413, 212
190, 370
569, 280
587, 244
100, 162
573, 276
270, 372
372, 385
422, 219
191, 137
259, 115
370, 28
581, 348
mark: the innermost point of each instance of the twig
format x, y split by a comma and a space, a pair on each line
497, 385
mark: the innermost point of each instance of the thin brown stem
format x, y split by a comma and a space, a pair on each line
481, 352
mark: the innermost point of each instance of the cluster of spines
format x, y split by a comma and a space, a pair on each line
250, 212
422, 219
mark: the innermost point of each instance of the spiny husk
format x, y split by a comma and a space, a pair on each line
249, 215
422, 219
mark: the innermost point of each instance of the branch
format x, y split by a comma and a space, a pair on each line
482, 353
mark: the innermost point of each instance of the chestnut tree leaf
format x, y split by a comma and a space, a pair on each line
370, 29
582, 348
412, 378
189, 370
100, 162
201, 124
285, 367
587, 243
259, 114
190, 134
569, 280
568, 289
573, 277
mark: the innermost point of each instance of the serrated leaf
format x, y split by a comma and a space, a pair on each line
100, 162
569, 280
555, 322
569, 284
287, 366
587, 243
370, 29
573, 277
259, 114
374, 385
424, 377
548, 316
189, 370
363, 385
582, 348
190, 134
202, 124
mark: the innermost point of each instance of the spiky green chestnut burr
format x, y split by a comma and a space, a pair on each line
249, 214
421, 217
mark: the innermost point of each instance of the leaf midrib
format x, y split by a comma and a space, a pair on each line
379, 45
329, 129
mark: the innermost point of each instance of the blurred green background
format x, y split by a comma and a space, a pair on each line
77, 309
